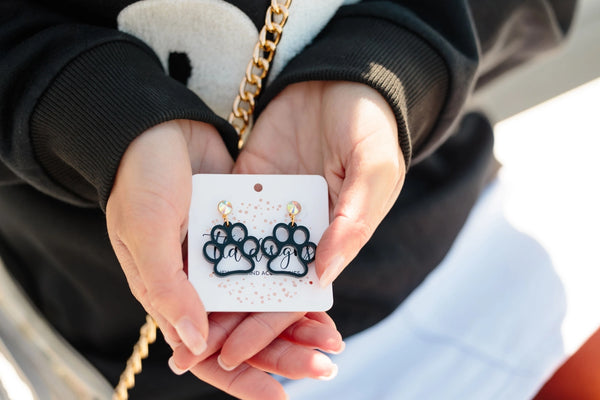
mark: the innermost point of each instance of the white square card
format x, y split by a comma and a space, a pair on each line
257, 269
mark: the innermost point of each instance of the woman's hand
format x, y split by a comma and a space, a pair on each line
147, 217
345, 132
260, 342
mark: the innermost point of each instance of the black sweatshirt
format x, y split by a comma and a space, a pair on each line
75, 91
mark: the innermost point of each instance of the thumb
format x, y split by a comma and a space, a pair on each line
168, 290
369, 190
146, 218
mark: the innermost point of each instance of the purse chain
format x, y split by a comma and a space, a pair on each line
241, 119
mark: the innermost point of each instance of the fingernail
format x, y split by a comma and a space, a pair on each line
331, 272
175, 368
327, 369
225, 366
332, 374
338, 351
191, 336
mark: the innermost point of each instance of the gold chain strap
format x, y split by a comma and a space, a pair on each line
243, 107
258, 68
134, 364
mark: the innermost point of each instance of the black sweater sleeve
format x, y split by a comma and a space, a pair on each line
72, 98
426, 56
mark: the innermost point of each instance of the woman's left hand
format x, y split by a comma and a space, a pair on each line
345, 132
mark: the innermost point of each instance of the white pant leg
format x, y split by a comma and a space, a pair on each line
484, 325
518, 292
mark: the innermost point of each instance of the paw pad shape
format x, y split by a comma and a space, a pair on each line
289, 250
230, 249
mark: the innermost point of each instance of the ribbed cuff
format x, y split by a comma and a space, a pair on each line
397, 63
97, 105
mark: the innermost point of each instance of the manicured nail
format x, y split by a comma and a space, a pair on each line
329, 376
225, 366
338, 351
332, 271
176, 370
327, 369
191, 336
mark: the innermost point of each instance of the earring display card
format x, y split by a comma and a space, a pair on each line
259, 262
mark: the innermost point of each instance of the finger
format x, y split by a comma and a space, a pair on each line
305, 332
245, 382
322, 317
253, 335
220, 326
294, 362
315, 334
369, 190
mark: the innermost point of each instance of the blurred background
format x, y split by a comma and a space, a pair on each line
548, 139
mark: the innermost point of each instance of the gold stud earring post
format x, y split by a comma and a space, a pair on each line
293, 209
225, 209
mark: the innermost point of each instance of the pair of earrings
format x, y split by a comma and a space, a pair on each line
232, 251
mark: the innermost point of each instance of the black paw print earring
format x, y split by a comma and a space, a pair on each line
230, 249
289, 250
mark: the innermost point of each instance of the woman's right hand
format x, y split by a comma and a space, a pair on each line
147, 217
